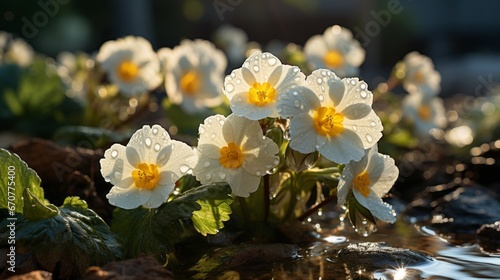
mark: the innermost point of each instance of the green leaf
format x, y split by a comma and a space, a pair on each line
208, 220
16, 177
142, 234
156, 231
99, 137
35, 209
67, 243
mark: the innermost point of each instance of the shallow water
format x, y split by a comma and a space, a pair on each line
319, 261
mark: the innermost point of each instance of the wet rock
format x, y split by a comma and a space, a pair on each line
373, 256
488, 238
147, 268
297, 232
244, 257
33, 275
458, 215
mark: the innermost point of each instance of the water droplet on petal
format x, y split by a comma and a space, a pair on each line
212, 136
258, 173
369, 138
295, 93
233, 74
221, 122
184, 168
372, 123
155, 131
321, 97
201, 130
296, 103
206, 164
319, 80
256, 68
363, 94
353, 82
222, 175
271, 61
157, 147
238, 81
362, 86
246, 64
295, 69
229, 88
354, 128
114, 153
279, 110
118, 175
148, 142
276, 161
208, 176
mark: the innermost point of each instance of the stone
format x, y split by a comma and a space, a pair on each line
146, 268
33, 275
488, 238
376, 255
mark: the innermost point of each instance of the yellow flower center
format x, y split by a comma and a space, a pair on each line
418, 77
261, 94
424, 112
362, 183
146, 176
190, 82
333, 59
231, 156
328, 122
127, 71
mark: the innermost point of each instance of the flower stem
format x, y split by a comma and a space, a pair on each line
244, 208
267, 198
316, 207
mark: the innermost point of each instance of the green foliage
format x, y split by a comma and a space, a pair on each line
100, 137
208, 220
156, 231
15, 179
68, 242
37, 104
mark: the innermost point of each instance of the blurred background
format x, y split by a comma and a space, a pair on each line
460, 36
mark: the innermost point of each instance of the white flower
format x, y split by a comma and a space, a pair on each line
234, 150
420, 74
131, 64
370, 179
145, 171
15, 50
426, 112
331, 115
233, 41
194, 74
254, 89
336, 50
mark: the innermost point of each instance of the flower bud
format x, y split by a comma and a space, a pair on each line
298, 161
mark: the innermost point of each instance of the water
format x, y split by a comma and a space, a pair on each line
318, 260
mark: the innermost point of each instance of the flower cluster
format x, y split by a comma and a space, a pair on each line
277, 113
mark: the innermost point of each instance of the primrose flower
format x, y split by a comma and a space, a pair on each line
145, 171
370, 179
234, 150
421, 75
131, 64
426, 112
331, 115
336, 50
254, 89
194, 74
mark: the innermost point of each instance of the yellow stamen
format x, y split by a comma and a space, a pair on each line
127, 71
333, 59
362, 183
190, 82
231, 156
418, 77
328, 122
424, 112
146, 176
261, 94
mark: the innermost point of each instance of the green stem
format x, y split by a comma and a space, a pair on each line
293, 197
267, 198
244, 208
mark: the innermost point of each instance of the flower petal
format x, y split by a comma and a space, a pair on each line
128, 198
243, 183
115, 164
302, 134
343, 148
